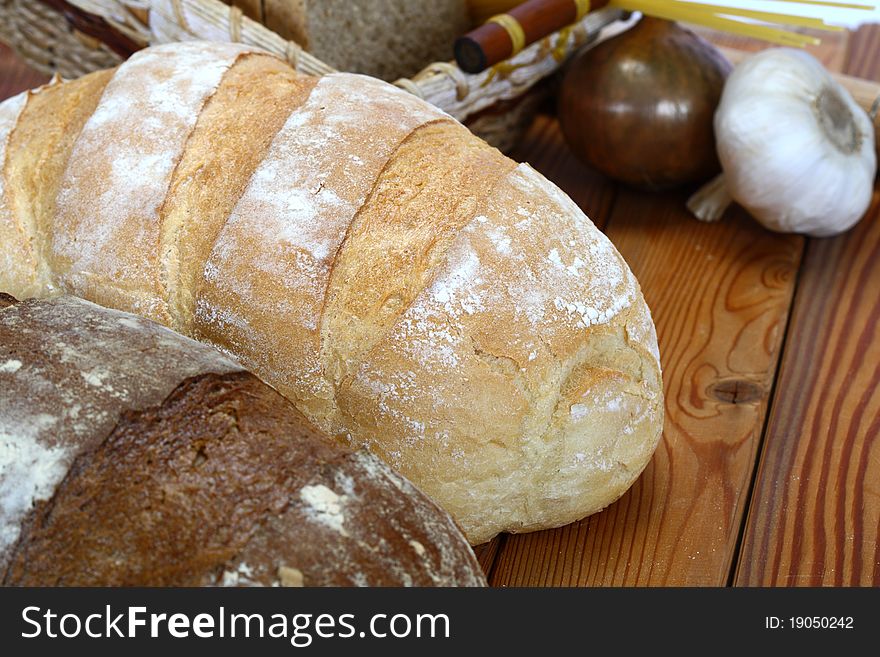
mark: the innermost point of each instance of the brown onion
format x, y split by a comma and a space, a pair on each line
639, 106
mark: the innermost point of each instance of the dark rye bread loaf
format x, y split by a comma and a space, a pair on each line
131, 455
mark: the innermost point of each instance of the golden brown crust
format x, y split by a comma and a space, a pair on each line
253, 9
265, 281
409, 287
108, 224
431, 187
289, 18
38, 150
230, 139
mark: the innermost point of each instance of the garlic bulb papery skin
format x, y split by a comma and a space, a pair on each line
797, 151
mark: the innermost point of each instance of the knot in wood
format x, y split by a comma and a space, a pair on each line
736, 391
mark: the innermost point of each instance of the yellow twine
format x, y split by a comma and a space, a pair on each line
292, 52
235, 24
514, 31
583, 6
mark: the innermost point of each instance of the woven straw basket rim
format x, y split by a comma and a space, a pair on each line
74, 37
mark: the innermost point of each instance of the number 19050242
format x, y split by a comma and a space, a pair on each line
809, 623
821, 622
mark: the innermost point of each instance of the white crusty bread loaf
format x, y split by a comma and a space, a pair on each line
406, 285
120, 171
17, 262
37, 152
290, 225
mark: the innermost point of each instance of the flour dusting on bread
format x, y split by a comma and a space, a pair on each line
16, 266
30, 467
108, 223
403, 283
275, 255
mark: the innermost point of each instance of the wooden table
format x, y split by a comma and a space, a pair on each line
769, 468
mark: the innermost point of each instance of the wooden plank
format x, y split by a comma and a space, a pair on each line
542, 146
720, 295
15, 75
815, 514
487, 552
863, 53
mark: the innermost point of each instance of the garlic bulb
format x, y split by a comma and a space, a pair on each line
797, 151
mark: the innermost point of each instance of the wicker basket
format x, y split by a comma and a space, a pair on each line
75, 37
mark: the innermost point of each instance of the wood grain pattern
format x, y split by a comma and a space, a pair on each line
815, 514
487, 552
720, 295
15, 76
